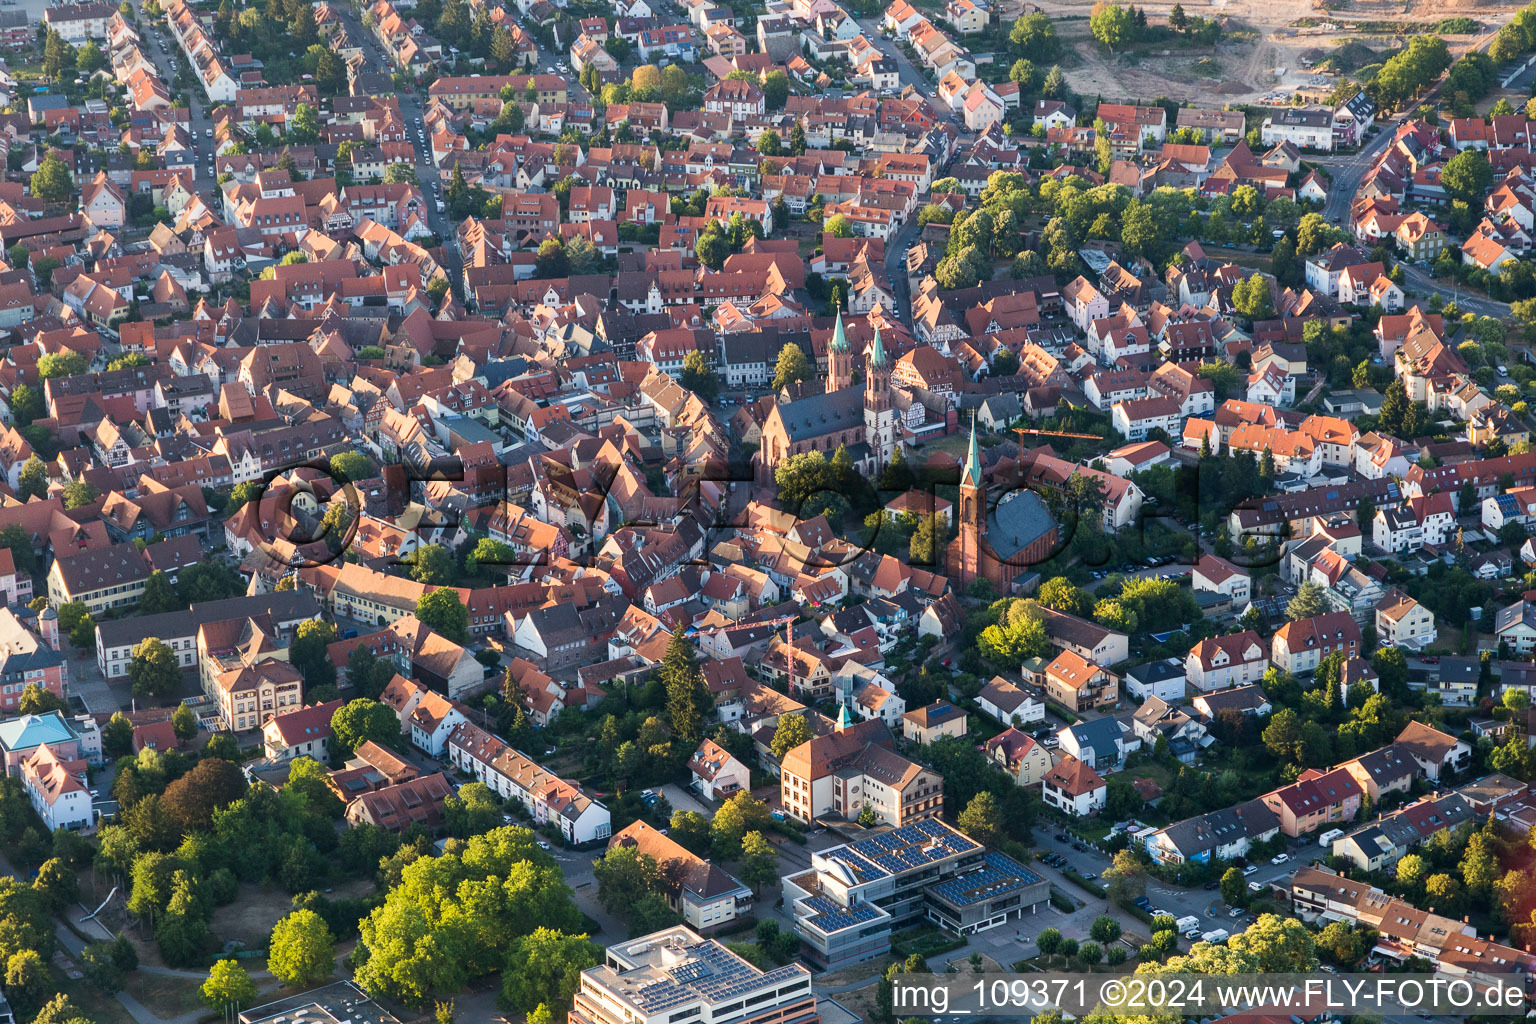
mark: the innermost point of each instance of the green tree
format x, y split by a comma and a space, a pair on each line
735, 818
51, 182
61, 364
35, 700
1112, 25
982, 819
159, 596
1307, 602
690, 829
1467, 176
838, 226
624, 875
26, 404
360, 720
228, 987
759, 861
544, 969
792, 367
687, 696
33, 479
699, 377
432, 565
927, 541
308, 652
442, 610
302, 949
1234, 891
153, 670
791, 731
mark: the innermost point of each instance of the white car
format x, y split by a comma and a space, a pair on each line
1250, 870
1281, 858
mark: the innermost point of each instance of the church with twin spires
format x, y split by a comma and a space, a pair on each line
861, 417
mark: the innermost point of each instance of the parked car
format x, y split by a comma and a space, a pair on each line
1250, 870
1281, 858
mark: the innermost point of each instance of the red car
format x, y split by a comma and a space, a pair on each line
1433, 659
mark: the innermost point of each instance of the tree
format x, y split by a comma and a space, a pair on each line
1234, 891
1466, 176
61, 364
1048, 941
99, 963
699, 377
1125, 878
228, 987
360, 720
687, 696
442, 610
769, 143
544, 969
690, 829
1283, 734
838, 226
26, 980
1104, 929
52, 182
432, 565
775, 90
982, 819
792, 367
1252, 298
624, 875
26, 404
212, 784
791, 731
351, 466
78, 494
302, 949
117, 736
305, 127
1112, 25
35, 700
308, 653
1307, 602
153, 670
159, 596
759, 861
33, 479
56, 883
1062, 595
927, 541
735, 818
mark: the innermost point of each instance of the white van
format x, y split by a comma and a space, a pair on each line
1326, 839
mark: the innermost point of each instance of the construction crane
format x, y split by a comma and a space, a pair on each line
1021, 431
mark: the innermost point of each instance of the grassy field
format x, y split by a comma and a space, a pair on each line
168, 996
102, 1009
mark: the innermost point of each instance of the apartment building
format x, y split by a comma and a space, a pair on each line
676, 974
838, 774
706, 896
846, 905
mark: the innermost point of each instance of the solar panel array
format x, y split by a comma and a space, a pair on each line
999, 874
912, 846
712, 972
831, 917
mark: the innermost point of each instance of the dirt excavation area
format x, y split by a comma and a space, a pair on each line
1269, 49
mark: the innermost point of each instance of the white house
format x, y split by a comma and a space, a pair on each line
1235, 659
1074, 788
1009, 704
1219, 576
57, 789
716, 774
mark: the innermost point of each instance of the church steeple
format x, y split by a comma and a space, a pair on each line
972, 474
839, 358
879, 410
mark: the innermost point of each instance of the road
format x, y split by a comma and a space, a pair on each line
1347, 172
1421, 280
161, 48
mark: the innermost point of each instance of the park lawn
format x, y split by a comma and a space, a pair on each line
91, 1002
168, 995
